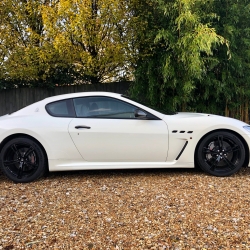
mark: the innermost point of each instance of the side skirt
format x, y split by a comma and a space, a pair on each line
57, 165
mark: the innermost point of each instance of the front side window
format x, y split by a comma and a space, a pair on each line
103, 107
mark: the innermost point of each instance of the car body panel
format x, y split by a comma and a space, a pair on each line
119, 140
168, 142
49, 131
200, 125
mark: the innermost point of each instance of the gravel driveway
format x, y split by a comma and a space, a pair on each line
127, 209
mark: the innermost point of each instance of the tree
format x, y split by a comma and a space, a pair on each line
233, 74
27, 57
181, 43
49, 42
92, 35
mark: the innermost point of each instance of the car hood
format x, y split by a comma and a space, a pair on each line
203, 118
4, 117
203, 122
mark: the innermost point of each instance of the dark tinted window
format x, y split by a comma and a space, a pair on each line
62, 108
103, 107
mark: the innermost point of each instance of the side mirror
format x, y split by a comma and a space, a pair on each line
140, 114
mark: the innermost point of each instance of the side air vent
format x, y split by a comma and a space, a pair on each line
186, 143
182, 132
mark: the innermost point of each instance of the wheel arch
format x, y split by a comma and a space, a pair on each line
13, 136
224, 130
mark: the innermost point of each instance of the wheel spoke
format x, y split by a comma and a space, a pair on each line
30, 164
20, 171
29, 151
208, 151
229, 163
220, 141
235, 148
15, 150
9, 163
213, 163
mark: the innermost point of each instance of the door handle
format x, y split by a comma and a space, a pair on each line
82, 126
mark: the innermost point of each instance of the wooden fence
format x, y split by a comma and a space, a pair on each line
14, 99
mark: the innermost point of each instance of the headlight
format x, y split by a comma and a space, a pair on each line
247, 128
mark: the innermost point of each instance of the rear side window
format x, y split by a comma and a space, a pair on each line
62, 108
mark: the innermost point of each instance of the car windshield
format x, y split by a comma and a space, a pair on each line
161, 110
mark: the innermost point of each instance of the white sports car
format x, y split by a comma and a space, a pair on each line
101, 130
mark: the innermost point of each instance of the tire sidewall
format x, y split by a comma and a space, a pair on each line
204, 142
39, 153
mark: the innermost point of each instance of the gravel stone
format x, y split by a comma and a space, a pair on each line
127, 209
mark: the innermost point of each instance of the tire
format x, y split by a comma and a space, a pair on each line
23, 160
221, 154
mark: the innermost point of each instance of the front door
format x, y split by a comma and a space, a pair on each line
106, 130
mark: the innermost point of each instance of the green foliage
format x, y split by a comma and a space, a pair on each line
52, 42
189, 55
93, 35
199, 56
227, 83
27, 56
182, 45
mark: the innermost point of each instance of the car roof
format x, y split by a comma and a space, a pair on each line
80, 94
41, 104
39, 107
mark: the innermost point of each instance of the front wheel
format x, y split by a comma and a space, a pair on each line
221, 153
23, 160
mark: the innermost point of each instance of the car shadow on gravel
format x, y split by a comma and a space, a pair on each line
116, 173
125, 172
138, 172
129, 172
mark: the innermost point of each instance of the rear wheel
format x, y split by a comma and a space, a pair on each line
221, 154
23, 160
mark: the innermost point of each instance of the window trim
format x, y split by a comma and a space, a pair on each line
72, 109
150, 116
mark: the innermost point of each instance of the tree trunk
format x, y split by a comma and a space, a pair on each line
246, 116
226, 110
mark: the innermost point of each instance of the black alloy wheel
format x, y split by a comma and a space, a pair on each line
221, 153
23, 160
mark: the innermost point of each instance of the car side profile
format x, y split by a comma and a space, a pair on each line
102, 130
